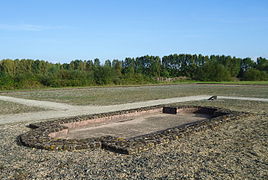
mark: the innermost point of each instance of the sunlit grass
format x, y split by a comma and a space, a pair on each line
119, 95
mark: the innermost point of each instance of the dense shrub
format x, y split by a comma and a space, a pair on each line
6, 81
255, 75
27, 73
213, 72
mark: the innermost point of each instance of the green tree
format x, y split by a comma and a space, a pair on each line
7, 66
213, 71
96, 63
255, 75
262, 64
108, 63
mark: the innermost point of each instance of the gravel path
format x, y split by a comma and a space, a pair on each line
244, 98
233, 150
60, 110
70, 111
41, 104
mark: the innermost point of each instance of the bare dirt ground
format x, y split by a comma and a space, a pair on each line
233, 150
60, 110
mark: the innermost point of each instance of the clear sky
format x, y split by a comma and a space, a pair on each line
64, 30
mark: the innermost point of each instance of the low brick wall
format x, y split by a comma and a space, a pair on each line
42, 135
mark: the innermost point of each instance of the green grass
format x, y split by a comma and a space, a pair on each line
216, 82
14, 108
148, 84
235, 82
119, 95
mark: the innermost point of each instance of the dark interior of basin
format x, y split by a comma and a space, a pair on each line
132, 124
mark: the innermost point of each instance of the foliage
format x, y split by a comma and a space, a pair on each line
27, 73
255, 75
213, 71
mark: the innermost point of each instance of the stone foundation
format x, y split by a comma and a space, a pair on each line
43, 135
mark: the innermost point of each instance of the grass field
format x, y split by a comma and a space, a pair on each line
236, 82
14, 108
118, 95
236, 105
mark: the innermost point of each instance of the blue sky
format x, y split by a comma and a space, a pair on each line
64, 30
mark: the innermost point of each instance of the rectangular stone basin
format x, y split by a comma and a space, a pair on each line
130, 125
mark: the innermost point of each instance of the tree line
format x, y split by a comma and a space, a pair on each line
28, 73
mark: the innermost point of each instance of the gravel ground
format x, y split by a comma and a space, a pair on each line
14, 108
60, 110
236, 105
120, 95
234, 150
35, 103
69, 110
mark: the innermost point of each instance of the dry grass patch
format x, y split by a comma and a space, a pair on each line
119, 95
14, 108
